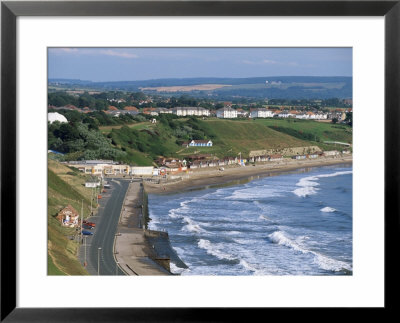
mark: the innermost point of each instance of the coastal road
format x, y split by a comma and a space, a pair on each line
104, 233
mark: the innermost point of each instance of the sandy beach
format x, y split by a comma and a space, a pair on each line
204, 177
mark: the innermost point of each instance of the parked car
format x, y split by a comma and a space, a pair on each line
87, 233
91, 224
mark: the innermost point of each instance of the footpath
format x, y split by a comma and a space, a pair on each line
133, 253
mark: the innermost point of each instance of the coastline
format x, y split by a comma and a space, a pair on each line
203, 178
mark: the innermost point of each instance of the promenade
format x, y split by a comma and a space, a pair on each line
132, 252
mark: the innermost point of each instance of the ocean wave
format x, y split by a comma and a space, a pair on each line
178, 270
191, 226
308, 185
330, 264
280, 238
215, 250
328, 209
174, 214
322, 261
347, 172
179, 211
154, 221
248, 267
252, 193
264, 217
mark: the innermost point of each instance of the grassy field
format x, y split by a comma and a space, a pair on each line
144, 142
323, 131
138, 126
65, 186
244, 136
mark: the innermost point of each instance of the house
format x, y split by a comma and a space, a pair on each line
164, 110
150, 111
262, 158
261, 113
311, 115
226, 113
92, 183
242, 113
230, 160
275, 157
331, 153
115, 113
190, 111
321, 116
68, 216
130, 110
284, 114
100, 167
198, 143
299, 157
302, 116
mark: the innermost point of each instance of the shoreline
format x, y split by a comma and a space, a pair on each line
205, 178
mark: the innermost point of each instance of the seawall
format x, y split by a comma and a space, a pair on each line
139, 251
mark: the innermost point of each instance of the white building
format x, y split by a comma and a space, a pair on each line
321, 116
226, 113
312, 116
55, 116
198, 143
261, 113
100, 167
191, 111
284, 114
142, 171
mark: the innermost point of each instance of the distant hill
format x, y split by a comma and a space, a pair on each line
276, 87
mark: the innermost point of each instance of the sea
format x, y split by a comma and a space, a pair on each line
293, 223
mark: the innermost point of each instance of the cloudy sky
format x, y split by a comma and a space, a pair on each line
130, 64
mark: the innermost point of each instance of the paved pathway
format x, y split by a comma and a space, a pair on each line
131, 248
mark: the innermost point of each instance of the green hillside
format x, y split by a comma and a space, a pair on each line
142, 142
244, 136
229, 137
65, 186
317, 131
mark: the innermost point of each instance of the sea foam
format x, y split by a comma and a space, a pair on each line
322, 261
254, 193
307, 185
215, 249
191, 225
328, 209
178, 270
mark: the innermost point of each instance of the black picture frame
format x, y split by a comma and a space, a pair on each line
11, 10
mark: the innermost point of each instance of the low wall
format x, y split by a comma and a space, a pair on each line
286, 151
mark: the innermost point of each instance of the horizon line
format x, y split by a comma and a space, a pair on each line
197, 77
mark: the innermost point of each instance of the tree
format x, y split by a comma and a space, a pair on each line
349, 118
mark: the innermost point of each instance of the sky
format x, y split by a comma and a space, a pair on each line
132, 64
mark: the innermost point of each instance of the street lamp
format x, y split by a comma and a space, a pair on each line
91, 203
116, 267
98, 261
85, 251
81, 224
